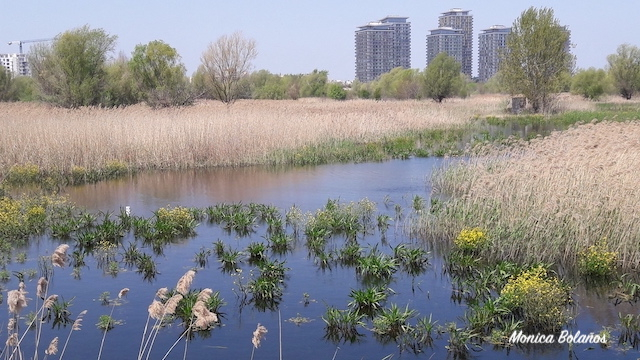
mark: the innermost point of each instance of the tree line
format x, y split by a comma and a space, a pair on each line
76, 70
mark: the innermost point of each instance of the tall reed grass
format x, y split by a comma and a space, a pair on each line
82, 140
549, 199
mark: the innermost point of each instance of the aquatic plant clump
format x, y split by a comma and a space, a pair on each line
537, 299
597, 260
470, 239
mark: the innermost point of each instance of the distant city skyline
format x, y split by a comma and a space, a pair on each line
300, 36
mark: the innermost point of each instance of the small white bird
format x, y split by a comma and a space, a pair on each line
127, 210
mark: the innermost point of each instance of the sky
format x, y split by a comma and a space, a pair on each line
298, 36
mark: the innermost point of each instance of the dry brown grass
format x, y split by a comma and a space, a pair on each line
209, 133
551, 198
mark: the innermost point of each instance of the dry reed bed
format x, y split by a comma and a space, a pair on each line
210, 134
550, 199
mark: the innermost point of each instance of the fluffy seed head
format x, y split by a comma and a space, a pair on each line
53, 347
258, 335
185, 281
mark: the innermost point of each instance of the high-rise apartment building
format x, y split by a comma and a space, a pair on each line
461, 19
491, 43
16, 64
381, 46
447, 40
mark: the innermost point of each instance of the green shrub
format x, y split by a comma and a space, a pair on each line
336, 92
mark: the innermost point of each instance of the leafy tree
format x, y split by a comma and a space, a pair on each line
120, 88
590, 83
225, 63
5, 85
624, 68
71, 71
314, 83
160, 75
24, 88
442, 77
400, 83
536, 59
336, 92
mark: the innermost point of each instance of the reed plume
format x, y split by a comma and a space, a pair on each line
53, 347
59, 256
123, 292
184, 283
16, 300
41, 289
77, 324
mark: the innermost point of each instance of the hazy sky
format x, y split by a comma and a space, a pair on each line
299, 36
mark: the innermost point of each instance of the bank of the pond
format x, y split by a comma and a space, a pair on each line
550, 200
55, 147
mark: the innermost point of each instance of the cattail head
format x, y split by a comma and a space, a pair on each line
123, 292
41, 289
53, 347
185, 281
156, 310
78, 323
258, 335
21, 286
49, 302
59, 256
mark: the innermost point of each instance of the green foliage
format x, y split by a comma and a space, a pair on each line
336, 92
442, 77
399, 83
120, 87
342, 325
314, 84
24, 88
71, 71
160, 75
6, 81
536, 60
624, 68
590, 83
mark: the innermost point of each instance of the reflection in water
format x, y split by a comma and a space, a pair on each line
307, 187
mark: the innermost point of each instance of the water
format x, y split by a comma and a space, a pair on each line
388, 184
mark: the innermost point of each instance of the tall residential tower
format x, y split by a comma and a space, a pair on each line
381, 46
491, 42
461, 20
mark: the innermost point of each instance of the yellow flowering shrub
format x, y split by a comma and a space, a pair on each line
11, 219
536, 299
470, 239
23, 174
175, 221
597, 260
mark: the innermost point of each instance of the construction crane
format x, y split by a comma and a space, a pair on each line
20, 42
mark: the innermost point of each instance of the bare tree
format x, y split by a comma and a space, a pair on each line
225, 62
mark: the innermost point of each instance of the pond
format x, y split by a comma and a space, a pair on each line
295, 321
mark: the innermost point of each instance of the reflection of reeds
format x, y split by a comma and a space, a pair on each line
548, 199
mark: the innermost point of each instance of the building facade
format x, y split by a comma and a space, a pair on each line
447, 40
462, 20
15, 64
491, 43
381, 46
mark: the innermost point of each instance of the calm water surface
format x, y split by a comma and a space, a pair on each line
387, 184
